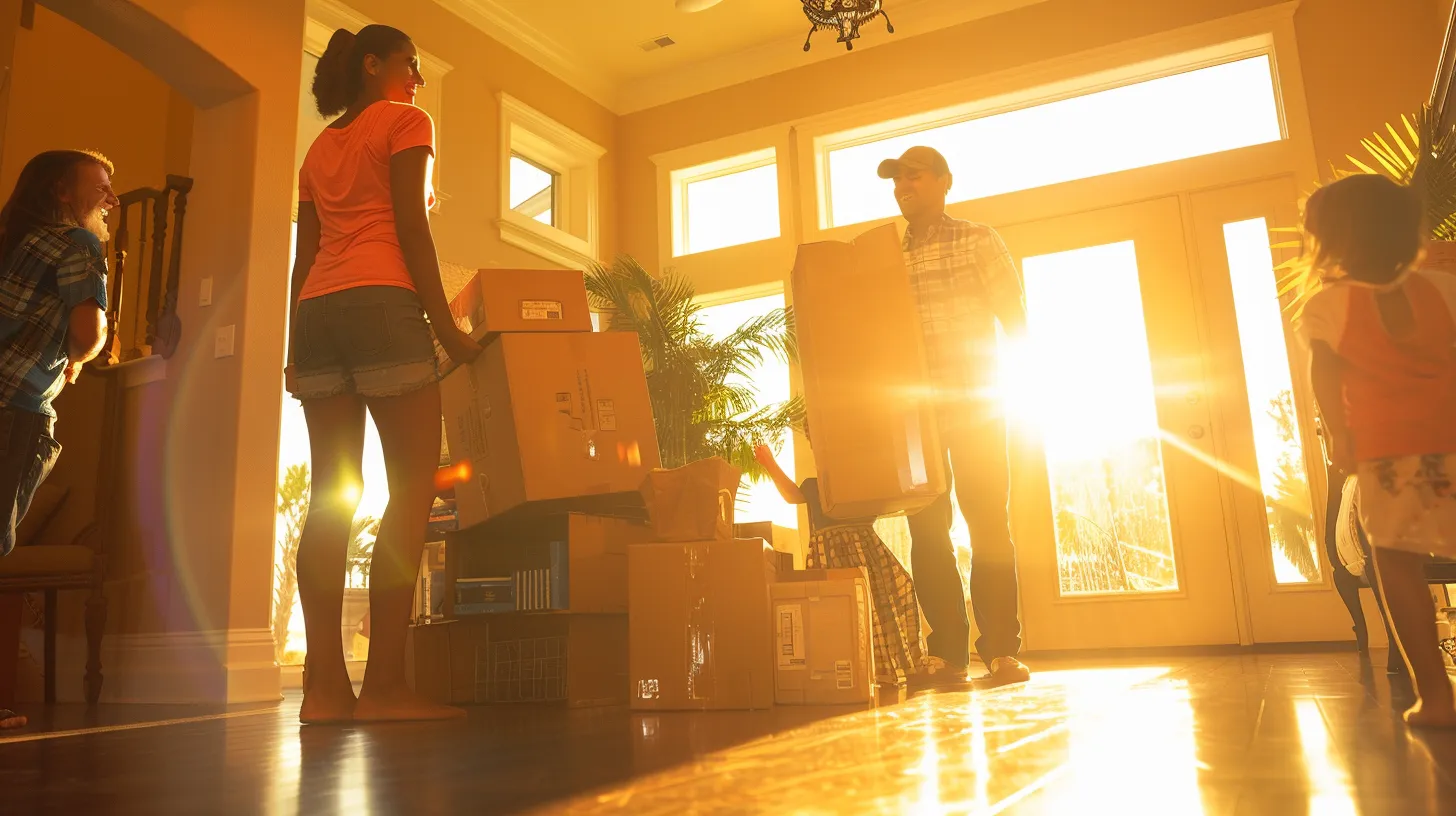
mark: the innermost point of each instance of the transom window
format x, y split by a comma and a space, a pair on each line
1193, 113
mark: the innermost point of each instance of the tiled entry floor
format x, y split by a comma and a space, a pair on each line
1315, 733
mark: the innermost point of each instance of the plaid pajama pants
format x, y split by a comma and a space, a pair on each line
898, 648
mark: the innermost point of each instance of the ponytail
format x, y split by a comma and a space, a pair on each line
339, 78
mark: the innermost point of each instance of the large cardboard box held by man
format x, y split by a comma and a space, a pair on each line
542, 417
698, 622
871, 416
823, 638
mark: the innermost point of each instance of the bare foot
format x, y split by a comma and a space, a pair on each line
327, 702
326, 709
1421, 715
401, 706
9, 720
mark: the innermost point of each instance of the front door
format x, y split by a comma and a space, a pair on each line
1117, 502
1164, 466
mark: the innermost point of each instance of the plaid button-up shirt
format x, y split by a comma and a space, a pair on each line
50, 272
963, 278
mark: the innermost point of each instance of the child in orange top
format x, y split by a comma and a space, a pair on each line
1383, 340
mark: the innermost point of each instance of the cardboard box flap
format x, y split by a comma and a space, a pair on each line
694, 502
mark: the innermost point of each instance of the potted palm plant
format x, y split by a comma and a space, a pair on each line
703, 398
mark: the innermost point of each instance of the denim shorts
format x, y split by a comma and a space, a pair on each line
28, 451
373, 341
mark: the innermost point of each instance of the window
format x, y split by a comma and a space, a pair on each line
549, 196
533, 190
1278, 449
1194, 113
1089, 388
726, 203
759, 501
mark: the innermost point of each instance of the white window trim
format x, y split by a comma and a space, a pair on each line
544, 141
324, 17
680, 179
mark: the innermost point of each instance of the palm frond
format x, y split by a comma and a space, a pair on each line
703, 399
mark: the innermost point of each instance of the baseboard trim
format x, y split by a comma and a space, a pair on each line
291, 675
219, 666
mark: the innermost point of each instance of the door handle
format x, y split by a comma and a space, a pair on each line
1195, 432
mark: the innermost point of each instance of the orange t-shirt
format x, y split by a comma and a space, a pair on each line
1400, 394
346, 176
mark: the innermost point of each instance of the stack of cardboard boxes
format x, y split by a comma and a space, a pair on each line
582, 573
549, 433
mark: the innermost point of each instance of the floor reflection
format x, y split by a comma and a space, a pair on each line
1303, 734
1215, 736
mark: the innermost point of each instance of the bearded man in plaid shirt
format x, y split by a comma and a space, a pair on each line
964, 281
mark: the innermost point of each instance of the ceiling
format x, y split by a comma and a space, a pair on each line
595, 45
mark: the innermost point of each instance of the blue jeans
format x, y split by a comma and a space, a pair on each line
976, 455
28, 451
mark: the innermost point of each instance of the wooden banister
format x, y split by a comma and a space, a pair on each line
151, 326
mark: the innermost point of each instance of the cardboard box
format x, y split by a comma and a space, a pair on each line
562, 659
698, 613
522, 300
823, 638
871, 416
542, 417
785, 540
694, 502
570, 562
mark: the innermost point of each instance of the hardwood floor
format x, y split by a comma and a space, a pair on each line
1314, 733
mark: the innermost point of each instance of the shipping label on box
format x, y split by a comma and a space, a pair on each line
876, 446
824, 638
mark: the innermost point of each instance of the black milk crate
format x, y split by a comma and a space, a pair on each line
527, 670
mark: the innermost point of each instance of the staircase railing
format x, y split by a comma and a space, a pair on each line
150, 326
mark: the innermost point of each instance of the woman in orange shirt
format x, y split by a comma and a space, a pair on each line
1383, 338
365, 280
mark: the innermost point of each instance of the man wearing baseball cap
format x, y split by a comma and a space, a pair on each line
964, 281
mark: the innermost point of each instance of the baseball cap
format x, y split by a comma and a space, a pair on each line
916, 158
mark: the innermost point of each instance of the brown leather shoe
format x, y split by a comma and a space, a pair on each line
1005, 671
938, 675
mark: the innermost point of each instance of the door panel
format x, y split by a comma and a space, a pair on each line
1116, 506
1265, 418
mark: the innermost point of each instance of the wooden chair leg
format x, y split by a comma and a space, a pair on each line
11, 606
95, 627
50, 646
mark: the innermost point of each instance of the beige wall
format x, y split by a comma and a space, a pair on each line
194, 555
136, 128
469, 137
1360, 69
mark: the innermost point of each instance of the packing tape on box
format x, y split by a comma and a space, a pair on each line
701, 671
477, 444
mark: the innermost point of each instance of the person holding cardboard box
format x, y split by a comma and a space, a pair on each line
365, 279
964, 281
834, 543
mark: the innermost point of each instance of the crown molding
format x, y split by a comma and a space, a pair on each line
521, 37
787, 53
683, 81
